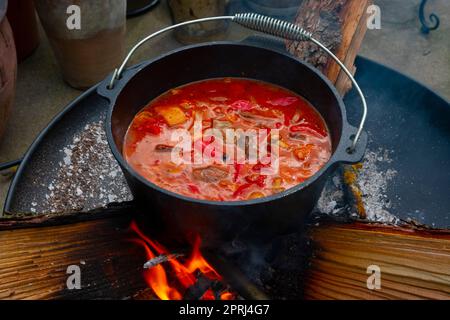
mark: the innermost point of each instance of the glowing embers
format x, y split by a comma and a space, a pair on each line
174, 277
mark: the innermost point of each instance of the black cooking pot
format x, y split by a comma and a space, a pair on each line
220, 221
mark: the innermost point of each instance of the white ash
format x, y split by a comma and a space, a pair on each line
332, 199
372, 181
88, 176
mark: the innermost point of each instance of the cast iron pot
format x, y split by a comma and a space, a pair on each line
177, 216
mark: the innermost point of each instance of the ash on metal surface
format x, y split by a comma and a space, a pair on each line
370, 183
88, 177
332, 200
373, 183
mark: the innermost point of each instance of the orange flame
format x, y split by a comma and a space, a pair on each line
156, 277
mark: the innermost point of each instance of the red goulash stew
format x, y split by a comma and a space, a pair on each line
230, 103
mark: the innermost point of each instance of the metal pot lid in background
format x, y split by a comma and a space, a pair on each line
3, 6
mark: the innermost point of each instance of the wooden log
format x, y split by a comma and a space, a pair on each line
415, 263
17, 220
34, 261
338, 24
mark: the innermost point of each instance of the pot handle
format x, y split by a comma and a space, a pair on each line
268, 25
357, 154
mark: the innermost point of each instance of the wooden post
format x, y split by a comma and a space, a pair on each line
338, 24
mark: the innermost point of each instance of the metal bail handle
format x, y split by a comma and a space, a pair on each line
264, 24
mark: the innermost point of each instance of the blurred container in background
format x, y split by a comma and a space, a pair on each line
138, 7
183, 10
282, 9
8, 68
22, 18
85, 55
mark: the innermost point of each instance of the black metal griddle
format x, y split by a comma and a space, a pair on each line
404, 116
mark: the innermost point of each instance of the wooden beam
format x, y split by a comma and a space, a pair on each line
338, 24
34, 261
414, 264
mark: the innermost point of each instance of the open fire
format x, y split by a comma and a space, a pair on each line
192, 277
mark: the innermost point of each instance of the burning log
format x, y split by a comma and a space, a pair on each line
145, 294
341, 26
190, 279
198, 290
236, 279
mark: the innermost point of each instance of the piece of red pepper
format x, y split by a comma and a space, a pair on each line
308, 128
237, 170
257, 167
284, 101
289, 113
241, 189
203, 143
260, 180
193, 188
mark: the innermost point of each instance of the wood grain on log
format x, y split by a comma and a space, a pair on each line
338, 24
415, 264
34, 262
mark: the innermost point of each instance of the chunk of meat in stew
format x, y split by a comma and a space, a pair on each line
210, 174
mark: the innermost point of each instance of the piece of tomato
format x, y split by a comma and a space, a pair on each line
150, 125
